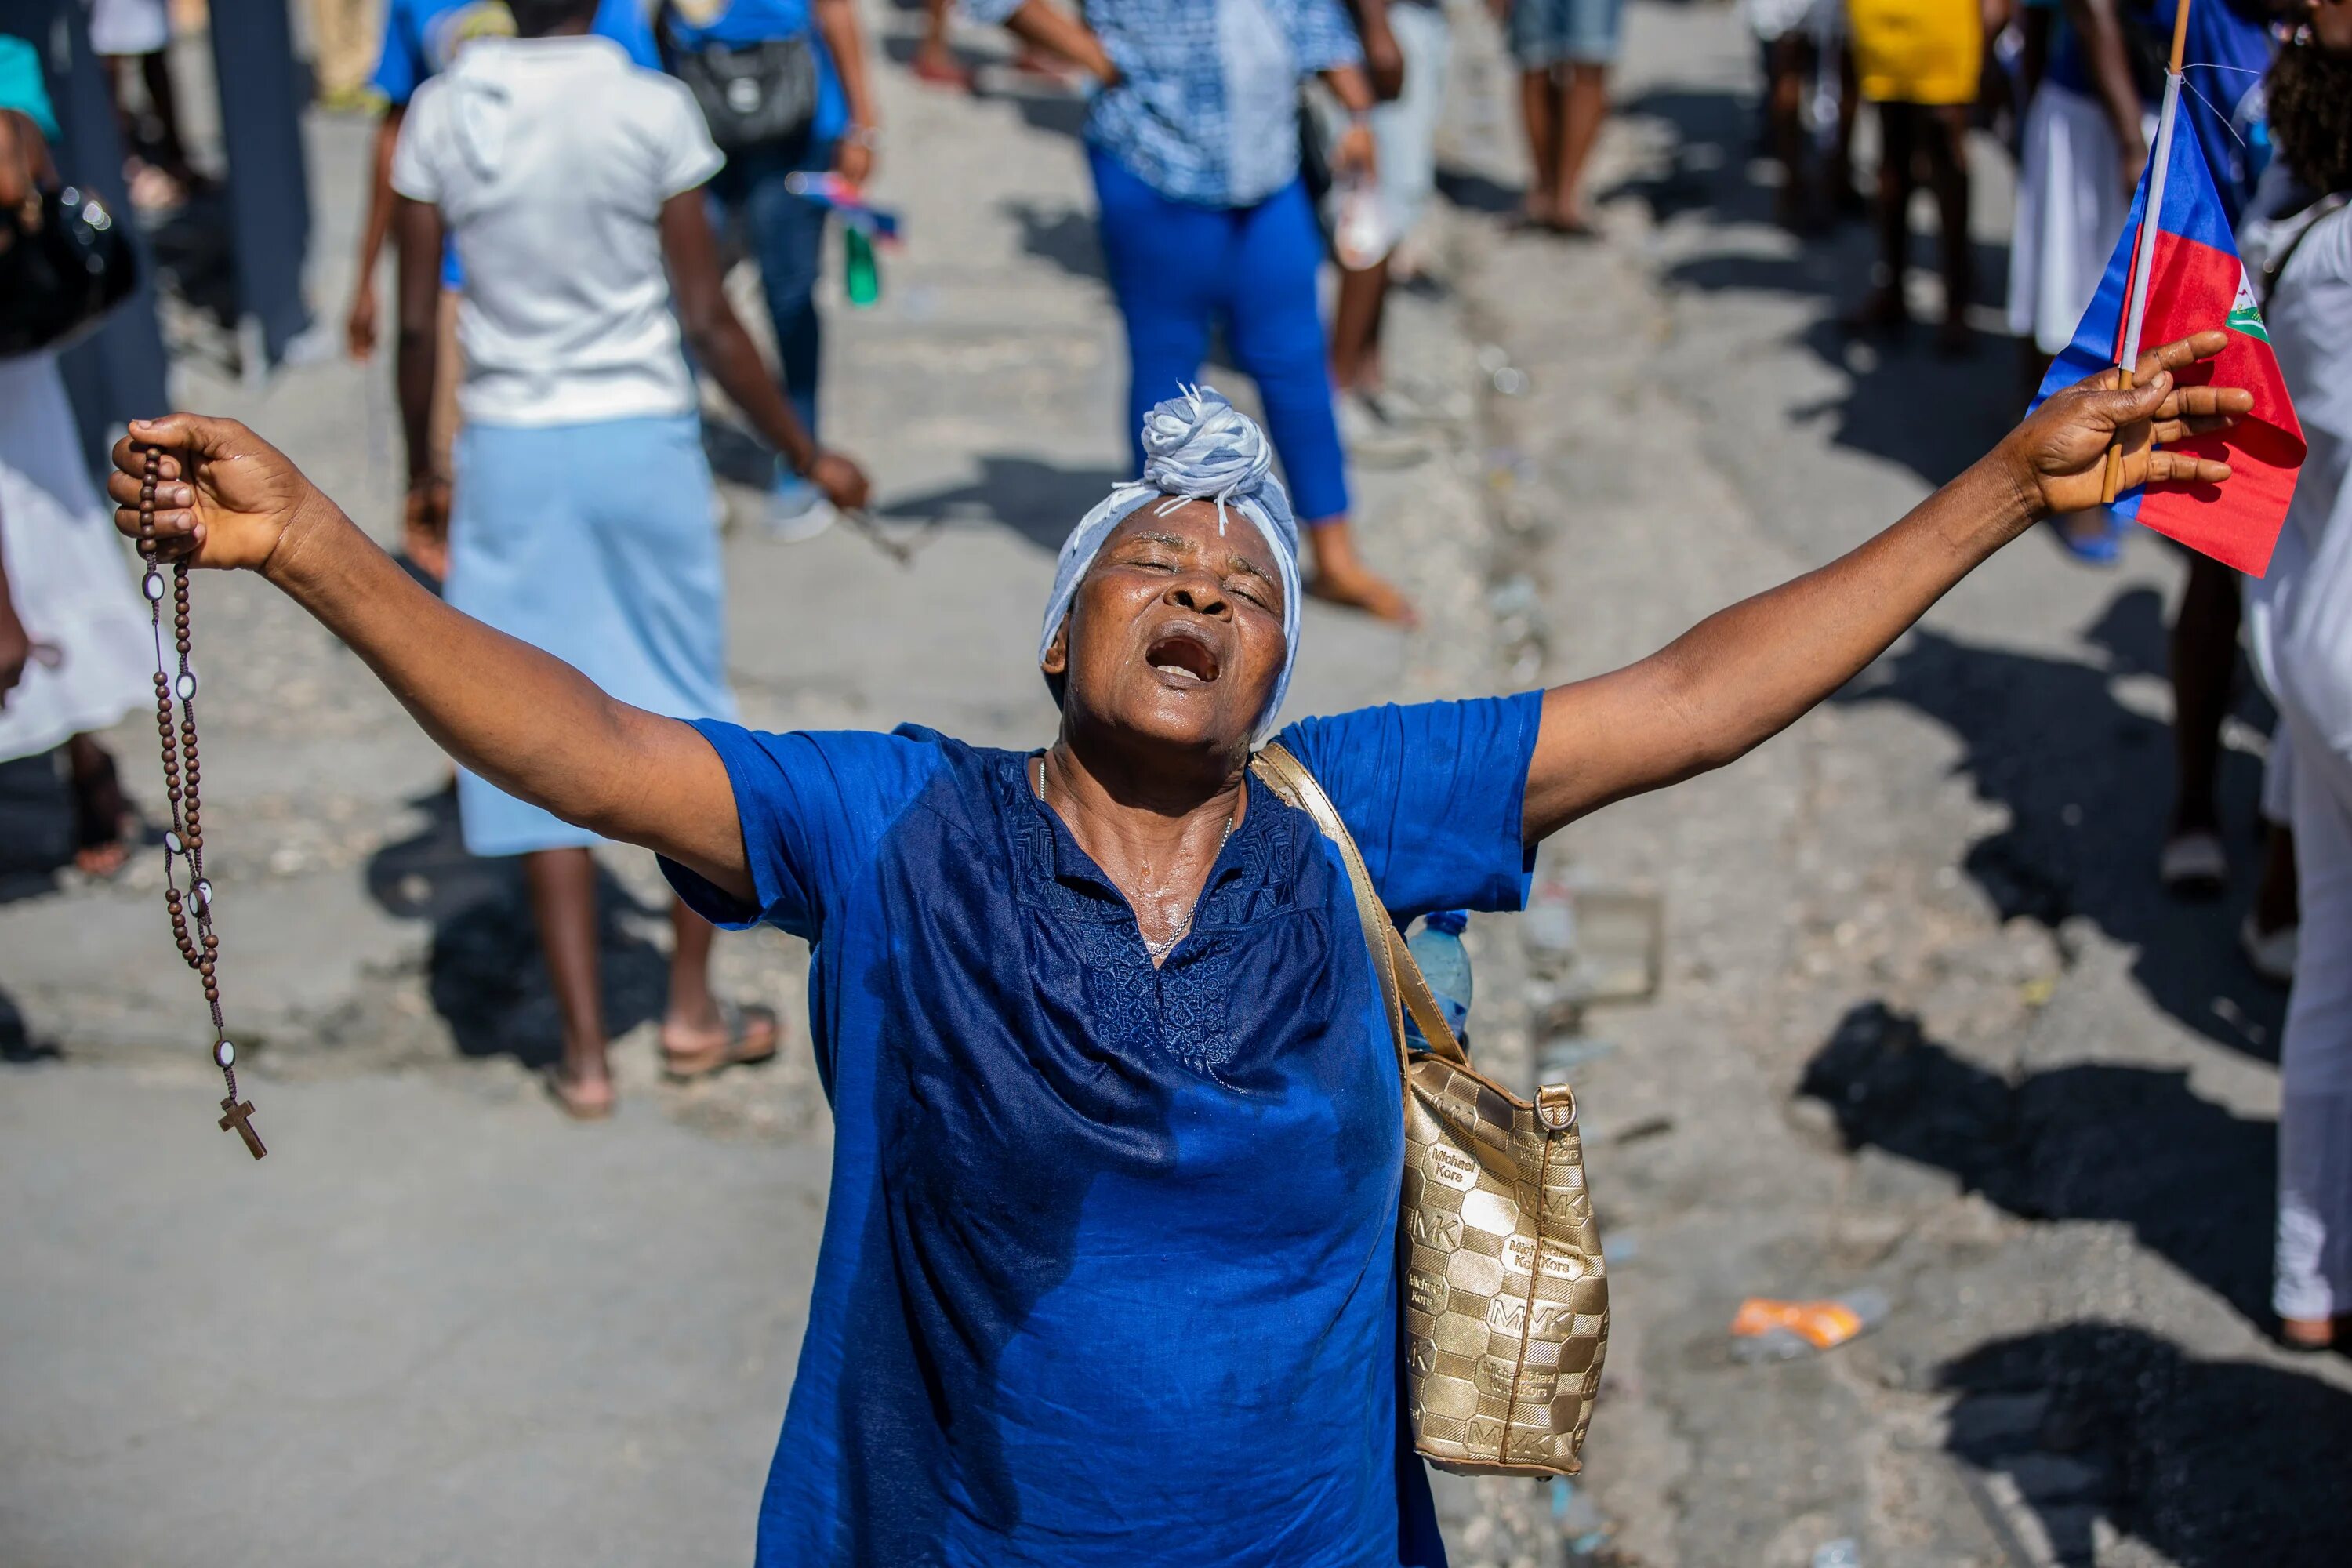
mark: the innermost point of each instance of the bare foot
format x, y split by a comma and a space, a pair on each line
731, 1037
1361, 588
940, 67
1535, 215
580, 1098
2307, 1333
100, 812
1341, 577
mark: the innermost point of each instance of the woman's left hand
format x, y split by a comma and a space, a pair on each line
853, 160
2057, 459
1353, 156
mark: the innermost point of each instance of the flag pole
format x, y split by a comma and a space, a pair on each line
2143, 250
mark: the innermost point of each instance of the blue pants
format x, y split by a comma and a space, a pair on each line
786, 235
1176, 268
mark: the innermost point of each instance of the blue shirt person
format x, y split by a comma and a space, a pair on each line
1205, 108
751, 197
1060, 1172
736, 23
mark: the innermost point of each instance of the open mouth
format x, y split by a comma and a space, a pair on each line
1184, 656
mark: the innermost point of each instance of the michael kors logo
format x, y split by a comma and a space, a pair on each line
1425, 1291
1431, 1228
1458, 1114
1533, 1388
1556, 1262
1456, 1169
1483, 1434
1552, 1319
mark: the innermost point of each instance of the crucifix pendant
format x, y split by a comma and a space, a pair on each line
239, 1115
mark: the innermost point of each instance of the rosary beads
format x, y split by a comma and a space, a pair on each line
183, 775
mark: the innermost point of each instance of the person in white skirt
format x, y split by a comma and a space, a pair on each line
76, 652
572, 185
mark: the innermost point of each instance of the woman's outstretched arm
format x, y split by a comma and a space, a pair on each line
1745, 674
522, 719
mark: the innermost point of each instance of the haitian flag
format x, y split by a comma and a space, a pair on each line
2197, 282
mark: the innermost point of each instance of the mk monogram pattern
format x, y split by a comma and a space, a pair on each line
1506, 1307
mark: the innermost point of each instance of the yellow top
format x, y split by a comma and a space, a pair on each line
1918, 51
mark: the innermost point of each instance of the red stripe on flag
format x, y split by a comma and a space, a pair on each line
2191, 288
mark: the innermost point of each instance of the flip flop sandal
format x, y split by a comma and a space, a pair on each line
101, 817
578, 1110
752, 1037
2193, 864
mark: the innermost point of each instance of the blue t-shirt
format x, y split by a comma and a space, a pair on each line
2222, 62
1109, 1267
740, 22
421, 37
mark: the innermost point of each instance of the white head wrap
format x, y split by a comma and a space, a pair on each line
1197, 447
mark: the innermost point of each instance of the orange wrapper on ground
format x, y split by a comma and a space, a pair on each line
1821, 1324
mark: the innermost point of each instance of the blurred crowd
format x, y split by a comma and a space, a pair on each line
562, 184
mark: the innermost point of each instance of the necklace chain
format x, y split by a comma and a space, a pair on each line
182, 780
1160, 947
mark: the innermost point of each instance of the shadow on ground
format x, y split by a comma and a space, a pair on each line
16, 1042
483, 969
1035, 500
2213, 1464
1065, 235
2091, 1141
1901, 401
2086, 784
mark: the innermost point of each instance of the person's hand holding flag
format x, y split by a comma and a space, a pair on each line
2058, 456
2175, 270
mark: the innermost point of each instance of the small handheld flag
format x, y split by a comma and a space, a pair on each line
2168, 278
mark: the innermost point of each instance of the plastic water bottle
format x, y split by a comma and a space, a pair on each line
1446, 964
861, 274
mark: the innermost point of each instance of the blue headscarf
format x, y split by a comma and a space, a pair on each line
1197, 447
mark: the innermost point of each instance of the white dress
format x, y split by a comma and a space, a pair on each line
69, 572
2300, 616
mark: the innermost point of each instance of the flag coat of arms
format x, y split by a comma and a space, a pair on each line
2197, 282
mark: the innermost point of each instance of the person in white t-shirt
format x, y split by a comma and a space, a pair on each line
570, 182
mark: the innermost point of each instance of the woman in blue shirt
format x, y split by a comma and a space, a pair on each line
1193, 143
1109, 1272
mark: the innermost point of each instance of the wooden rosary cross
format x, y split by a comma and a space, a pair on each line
241, 1118
183, 775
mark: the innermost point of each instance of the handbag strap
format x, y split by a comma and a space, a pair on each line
1402, 989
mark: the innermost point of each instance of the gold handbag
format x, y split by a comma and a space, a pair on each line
1506, 1300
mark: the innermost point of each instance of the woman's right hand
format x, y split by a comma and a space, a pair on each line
224, 497
842, 480
359, 322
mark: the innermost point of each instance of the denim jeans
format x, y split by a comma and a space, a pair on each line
786, 235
